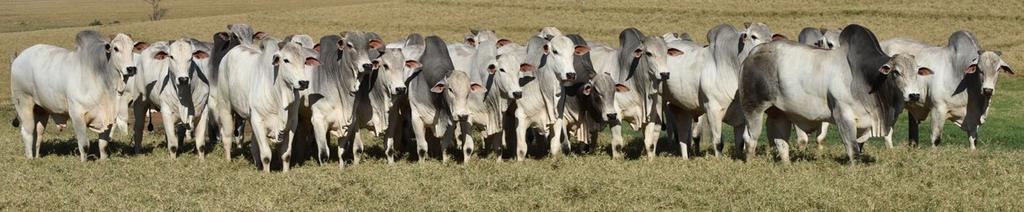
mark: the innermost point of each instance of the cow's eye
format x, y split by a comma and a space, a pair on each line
286, 61
556, 52
830, 45
501, 70
753, 37
171, 56
386, 66
649, 54
116, 50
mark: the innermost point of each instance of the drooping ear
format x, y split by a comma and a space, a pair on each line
277, 60
200, 55
885, 69
439, 87
638, 52
587, 89
412, 64
312, 61
476, 87
972, 68
316, 47
259, 35
674, 52
470, 41
503, 42
526, 67
924, 71
491, 69
621, 88
160, 55
776, 37
376, 43
581, 49
139, 46
1006, 68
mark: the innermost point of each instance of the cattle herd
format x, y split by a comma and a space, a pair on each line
557, 88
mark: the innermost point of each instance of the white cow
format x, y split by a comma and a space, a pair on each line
958, 91
81, 85
164, 84
542, 103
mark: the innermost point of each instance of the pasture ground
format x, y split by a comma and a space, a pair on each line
949, 177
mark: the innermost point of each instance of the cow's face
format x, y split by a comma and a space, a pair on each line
757, 33
601, 94
906, 74
180, 55
456, 88
654, 52
830, 40
356, 47
505, 71
989, 64
120, 49
292, 61
560, 51
391, 71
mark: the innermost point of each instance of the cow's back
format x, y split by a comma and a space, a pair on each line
42, 71
235, 77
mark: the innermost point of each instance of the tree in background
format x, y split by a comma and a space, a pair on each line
158, 13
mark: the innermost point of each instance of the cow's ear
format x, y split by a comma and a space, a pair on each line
277, 60
587, 89
546, 49
312, 61
139, 46
924, 71
259, 35
776, 37
885, 69
581, 50
376, 43
1006, 68
972, 68
470, 41
491, 69
412, 64
674, 52
160, 55
439, 87
503, 42
200, 55
107, 47
621, 88
476, 88
638, 52
525, 67
316, 47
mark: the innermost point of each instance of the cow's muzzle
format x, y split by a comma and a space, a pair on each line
367, 67
182, 80
463, 117
400, 91
570, 76
987, 92
914, 97
517, 94
131, 70
303, 85
664, 75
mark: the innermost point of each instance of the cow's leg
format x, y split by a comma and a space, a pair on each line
912, 129
140, 110
286, 155
754, 114
29, 128
200, 132
938, 116
713, 124
260, 136
778, 132
521, 140
389, 140
822, 135
555, 139
104, 139
801, 139
848, 131
446, 143
683, 131
81, 134
170, 130
467, 143
321, 135
420, 132
41, 120
357, 146
888, 139
972, 135
651, 131
697, 129
227, 134
617, 141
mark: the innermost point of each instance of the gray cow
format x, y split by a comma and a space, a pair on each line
856, 86
962, 87
437, 97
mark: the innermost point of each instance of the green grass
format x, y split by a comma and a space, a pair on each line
949, 177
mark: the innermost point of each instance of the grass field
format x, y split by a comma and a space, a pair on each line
946, 178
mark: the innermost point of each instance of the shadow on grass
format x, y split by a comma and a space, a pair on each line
69, 147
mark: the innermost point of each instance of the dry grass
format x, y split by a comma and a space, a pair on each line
947, 178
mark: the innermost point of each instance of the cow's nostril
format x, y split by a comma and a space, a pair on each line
664, 75
463, 116
303, 84
182, 80
400, 91
517, 94
367, 66
571, 76
914, 97
131, 70
613, 116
